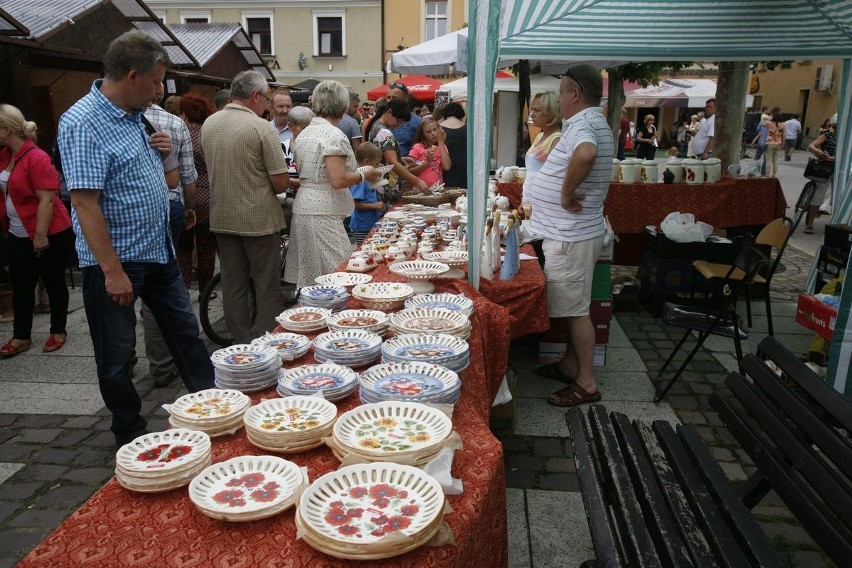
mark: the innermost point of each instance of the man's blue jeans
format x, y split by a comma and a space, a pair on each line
113, 330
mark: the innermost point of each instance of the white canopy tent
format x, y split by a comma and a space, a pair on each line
538, 83
687, 30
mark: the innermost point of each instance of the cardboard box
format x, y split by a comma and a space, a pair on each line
603, 272
839, 236
601, 310
666, 275
503, 415
813, 314
561, 335
548, 352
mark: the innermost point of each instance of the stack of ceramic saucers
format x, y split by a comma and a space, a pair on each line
246, 368
384, 296
303, 320
452, 302
351, 347
162, 461
246, 488
413, 382
290, 346
399, 432
333, 517
214, 411
335, 382
333, 298
431, 320
444, 350
289, 425
367, 320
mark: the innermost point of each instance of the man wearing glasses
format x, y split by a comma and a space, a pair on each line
404, 133
246, 169
567, 200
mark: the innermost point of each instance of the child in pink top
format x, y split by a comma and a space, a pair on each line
429, 149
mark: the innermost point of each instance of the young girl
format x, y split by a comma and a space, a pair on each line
430, 150
368, 205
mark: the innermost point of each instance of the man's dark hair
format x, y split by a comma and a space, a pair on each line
452, 109
133, 51
398, 109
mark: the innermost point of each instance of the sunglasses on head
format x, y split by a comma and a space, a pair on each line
398, 85
571, 76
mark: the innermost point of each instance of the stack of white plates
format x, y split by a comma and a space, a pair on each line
333, 298
412, 382
432, 321
348, 512
452, 258
335, 382
444, 350
303, 320
384, 296
290, 346
351, 347
246, 368
452, 302
162, 461
368, 320
345, 279
398, 432
246, 488
289, 425
214, 411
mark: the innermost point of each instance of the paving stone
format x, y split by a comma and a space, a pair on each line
16, 453
679, 401
713, 419
520, 479
7, 435
72, 438
786, 532
524, 462
53, 455
102, 439
41, 420
560, 465
547, 447
809, 559
765, 512
93, 476
12, 491
65, 496
702, 388
706, 434
722, 454
38, 435
559, 482
733, 471
690, 417
8, 562
20, 541
94, 458
82, 422
7, 419
7, 508
42, 472
39, 518
514, 444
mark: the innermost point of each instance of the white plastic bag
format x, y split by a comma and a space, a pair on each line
683, 228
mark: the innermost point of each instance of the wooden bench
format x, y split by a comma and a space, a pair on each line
796, 430
654, 496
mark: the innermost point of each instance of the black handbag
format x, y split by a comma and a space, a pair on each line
819, 170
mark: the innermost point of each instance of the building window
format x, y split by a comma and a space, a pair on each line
259, 26
329, 33
161, 14
194, 17
436, 18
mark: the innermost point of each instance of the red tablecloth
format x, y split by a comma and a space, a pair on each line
120, 528
732, 202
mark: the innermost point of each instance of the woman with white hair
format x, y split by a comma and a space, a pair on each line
327, 168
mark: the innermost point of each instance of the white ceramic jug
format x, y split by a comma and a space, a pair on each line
713, 169
629, 171
676, 167
615, 176
648, 172
693, 171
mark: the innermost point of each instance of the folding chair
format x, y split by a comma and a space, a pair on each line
776, 234
719, 317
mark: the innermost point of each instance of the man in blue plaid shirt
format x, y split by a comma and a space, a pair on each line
114, 170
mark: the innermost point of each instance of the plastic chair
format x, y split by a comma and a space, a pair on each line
776, 235
718, 318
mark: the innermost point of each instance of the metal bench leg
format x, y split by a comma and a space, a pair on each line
748, 304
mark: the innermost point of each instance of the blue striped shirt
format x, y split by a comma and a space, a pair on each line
106, 149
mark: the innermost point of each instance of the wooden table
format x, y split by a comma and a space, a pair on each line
119, 528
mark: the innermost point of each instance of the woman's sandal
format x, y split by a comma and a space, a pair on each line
9, 350
809, 230
551, 371
572, 395
53, 343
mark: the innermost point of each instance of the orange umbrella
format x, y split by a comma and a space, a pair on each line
420, 86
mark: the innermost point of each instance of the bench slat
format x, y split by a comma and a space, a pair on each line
634, 533
721, 539
603, 538
824, 481
802, 501
678, 533
745, 528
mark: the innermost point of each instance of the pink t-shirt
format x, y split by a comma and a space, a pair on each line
434, 172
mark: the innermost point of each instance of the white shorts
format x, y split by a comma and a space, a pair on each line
569, 269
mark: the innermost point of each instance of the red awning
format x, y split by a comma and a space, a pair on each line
420, 86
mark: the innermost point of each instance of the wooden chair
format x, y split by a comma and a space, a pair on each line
776, 235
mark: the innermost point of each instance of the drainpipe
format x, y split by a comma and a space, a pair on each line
384, 63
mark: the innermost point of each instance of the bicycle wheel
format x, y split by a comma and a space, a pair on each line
805, 198
212, 313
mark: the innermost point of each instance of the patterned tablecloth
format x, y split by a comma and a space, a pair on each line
119, 528
732, 202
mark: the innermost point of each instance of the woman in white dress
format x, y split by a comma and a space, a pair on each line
326, 165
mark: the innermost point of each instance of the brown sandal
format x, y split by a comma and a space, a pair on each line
551, 371
572, 395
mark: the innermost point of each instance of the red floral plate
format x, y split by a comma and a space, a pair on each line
162, 453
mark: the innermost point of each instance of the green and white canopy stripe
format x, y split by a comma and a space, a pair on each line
669, 30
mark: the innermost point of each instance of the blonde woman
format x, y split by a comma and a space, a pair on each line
544, 115
646, 139
39, 228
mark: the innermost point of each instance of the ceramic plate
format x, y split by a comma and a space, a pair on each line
290, 414
323, 292
245, 484
452, 302
362, 503
243, 356
163, 451
283, 341
418, 268
303, 316
351, 341
429, 320
383, 291
392, 427
425, 347
357, 319
313, 378
409, 379
209, 404
345, 279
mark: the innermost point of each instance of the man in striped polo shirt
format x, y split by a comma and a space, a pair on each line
567, 200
